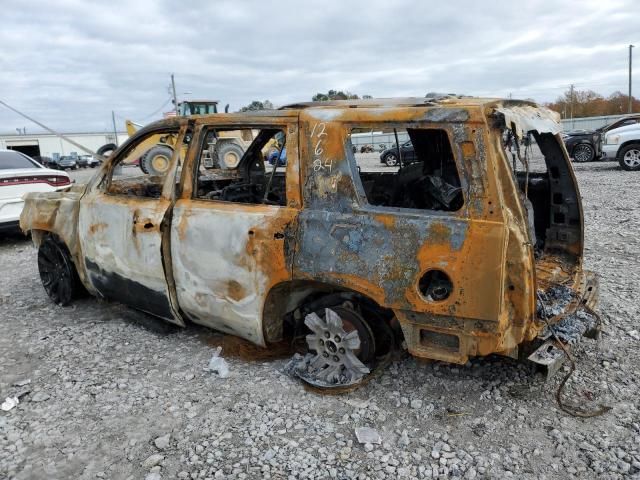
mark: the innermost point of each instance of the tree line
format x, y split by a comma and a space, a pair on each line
587, 103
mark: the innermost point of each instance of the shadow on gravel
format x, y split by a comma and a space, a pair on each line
597, 166
146, 321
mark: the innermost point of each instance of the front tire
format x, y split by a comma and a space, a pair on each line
157, 160
390, 159
230, 154
57, 271
583, 152
629, 157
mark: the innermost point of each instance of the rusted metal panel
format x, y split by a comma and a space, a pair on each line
226, 259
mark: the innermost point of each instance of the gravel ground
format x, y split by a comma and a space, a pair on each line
108, 393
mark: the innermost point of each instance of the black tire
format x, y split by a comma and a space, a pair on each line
390, 159
229, 154
57, 271
107, 149
629, 157
157, 160
583, 152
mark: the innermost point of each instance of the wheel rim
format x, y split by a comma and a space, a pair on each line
632, 158
582, 153
337, 342
160, 163
391, 160
55, 273
231, 159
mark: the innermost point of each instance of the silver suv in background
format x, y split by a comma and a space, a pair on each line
623, 144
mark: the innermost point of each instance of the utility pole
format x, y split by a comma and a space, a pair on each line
630, 98
175, 97
115, 132
571, 103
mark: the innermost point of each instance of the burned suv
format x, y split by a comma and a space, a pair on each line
466, 251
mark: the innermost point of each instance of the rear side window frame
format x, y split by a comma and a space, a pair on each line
361, 197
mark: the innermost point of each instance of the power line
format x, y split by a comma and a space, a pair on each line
158, 109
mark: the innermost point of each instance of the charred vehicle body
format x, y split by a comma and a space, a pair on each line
463, 252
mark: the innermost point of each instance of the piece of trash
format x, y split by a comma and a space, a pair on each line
368, 435
218, 364
356, 402
40, 397
9, 403
455, 413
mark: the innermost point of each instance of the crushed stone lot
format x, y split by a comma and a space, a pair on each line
106, 392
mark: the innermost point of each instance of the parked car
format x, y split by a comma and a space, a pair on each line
20, 174
443, 256
623, 144
93, 161
586, 145
582, 145
390, 157
67, 163
83, 161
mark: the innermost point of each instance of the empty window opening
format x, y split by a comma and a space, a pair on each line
142, 168
407, 168
243, 166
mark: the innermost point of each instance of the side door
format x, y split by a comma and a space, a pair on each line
123, 223
231, 243
408, 153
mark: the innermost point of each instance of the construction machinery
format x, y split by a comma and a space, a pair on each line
225, 149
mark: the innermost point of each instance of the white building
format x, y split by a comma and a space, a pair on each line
49, 145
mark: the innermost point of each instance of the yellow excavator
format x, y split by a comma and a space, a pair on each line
225, 151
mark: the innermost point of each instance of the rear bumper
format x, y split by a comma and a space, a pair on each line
454, 340
10, 210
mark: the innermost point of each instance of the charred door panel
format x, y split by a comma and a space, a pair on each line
121, 242
384, 255
226, 257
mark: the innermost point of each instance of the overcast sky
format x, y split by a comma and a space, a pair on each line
70, 62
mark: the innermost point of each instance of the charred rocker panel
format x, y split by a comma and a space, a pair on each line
116, 287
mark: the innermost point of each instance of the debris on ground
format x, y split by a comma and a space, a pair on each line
571, 328
152, 460
40, 397
218, 365
556, 300
162, 442
368, 435
9, 403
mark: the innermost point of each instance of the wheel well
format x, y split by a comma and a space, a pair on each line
626, 144
287, 301
38, 236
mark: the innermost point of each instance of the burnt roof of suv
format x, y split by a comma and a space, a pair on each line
430, 101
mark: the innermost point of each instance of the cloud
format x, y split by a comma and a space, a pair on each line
70, 63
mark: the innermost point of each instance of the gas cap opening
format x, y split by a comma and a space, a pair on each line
435, 286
